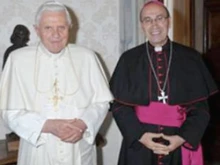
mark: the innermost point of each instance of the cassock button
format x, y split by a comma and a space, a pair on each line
160, 156
159, 59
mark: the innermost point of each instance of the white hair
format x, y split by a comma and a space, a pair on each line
52, 6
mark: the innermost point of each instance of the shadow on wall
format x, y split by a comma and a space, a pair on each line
108, 120
75, 26
103, 131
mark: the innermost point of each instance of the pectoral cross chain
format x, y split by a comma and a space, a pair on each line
163, 97
56, 98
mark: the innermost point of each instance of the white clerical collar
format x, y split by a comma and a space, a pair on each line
158, 48
49, 54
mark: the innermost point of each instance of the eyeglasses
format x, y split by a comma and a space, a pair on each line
158, 19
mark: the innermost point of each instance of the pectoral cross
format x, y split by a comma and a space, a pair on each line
56, 98
162, 97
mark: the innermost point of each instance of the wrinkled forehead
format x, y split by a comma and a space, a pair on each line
153, 2
153, 8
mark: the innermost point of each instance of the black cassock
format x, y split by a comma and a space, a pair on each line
133, 83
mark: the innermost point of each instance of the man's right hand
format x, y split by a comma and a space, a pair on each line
62, 128
156, 147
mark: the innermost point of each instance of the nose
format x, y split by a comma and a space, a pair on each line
56, 32
154, 21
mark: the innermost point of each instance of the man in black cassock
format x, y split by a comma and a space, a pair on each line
161, 90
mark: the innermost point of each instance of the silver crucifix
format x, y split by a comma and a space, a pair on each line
162, 97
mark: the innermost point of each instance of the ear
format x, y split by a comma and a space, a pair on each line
142, 26
36, 28
169, 22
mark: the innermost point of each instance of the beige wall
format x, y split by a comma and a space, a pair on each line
98, 24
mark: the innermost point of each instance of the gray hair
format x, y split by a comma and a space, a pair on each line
52, 6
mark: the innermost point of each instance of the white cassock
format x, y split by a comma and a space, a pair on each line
27, 93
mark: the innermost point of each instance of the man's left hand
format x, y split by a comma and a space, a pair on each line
174, 140
76, 136
80, 124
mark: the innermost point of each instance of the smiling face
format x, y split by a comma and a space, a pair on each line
155, 24
53, 30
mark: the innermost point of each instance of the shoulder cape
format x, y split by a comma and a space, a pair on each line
189, 79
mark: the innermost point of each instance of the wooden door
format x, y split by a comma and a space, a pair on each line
183, 22
211, 51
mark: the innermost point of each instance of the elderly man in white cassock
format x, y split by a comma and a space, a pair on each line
54, 95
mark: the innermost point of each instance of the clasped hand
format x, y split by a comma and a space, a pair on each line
174, 142
69, 130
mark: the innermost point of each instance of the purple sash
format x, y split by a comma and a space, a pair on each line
167, 115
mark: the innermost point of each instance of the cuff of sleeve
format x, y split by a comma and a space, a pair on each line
136, 145
38, 138
88, 136
187, 144
93, 118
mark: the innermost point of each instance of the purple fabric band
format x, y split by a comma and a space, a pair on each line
166, 115
161, 114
